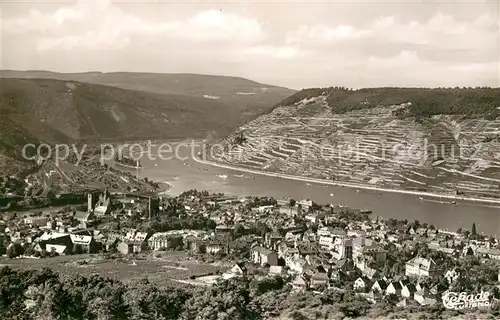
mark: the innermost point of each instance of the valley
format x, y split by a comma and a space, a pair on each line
47, 107
227, 95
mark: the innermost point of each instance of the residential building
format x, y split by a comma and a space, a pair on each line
141, 237
271, 239
287, 210
326, 242
58, 249
319, 279
421, 267
275, 270
371, 273
421, 295
36, 221
365, 246
394, 288
264, 256
300, 282
214, 248
452, 275
125, 247
158, 242
342, 249
111, 243
237, 270
305, 204
312, 218
51, 239
408, 290
83, 243
265, 209
85, 218
488, 253
379, 286
362, 283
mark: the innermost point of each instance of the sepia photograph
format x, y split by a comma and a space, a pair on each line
249, 159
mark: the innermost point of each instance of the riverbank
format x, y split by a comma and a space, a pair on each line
347, 184
163, 188
127, 166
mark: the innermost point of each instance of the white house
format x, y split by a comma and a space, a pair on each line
408, 290
452, 275
264, 256
362, 283
394, 288
421, 267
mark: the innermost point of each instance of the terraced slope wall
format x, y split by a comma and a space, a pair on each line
372, 145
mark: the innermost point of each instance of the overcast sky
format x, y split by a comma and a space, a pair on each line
289, 43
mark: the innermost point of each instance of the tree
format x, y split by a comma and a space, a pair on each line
14, 251
239, 230
240, 139
78, 249
30, 251
297, 315
52, 252
281, 262
228, 299
260, 228
292, 202
355, 308
473, 232
267, 284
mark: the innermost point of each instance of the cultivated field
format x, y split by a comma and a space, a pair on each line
167, 267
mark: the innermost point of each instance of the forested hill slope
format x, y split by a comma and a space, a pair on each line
424, 102
54, 111
248, 97
435, 140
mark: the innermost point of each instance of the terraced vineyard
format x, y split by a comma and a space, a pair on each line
371, 146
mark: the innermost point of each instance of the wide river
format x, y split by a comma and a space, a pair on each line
188, 174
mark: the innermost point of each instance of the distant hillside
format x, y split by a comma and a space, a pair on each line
54, 110
425, 102
13, 137
434, 140
249, 97
47, 110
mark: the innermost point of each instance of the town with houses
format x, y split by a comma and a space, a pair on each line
312, 247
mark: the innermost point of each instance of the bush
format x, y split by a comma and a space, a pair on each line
15, 250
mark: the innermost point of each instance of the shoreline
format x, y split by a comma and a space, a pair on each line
164, 188
347, 184
127, 166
